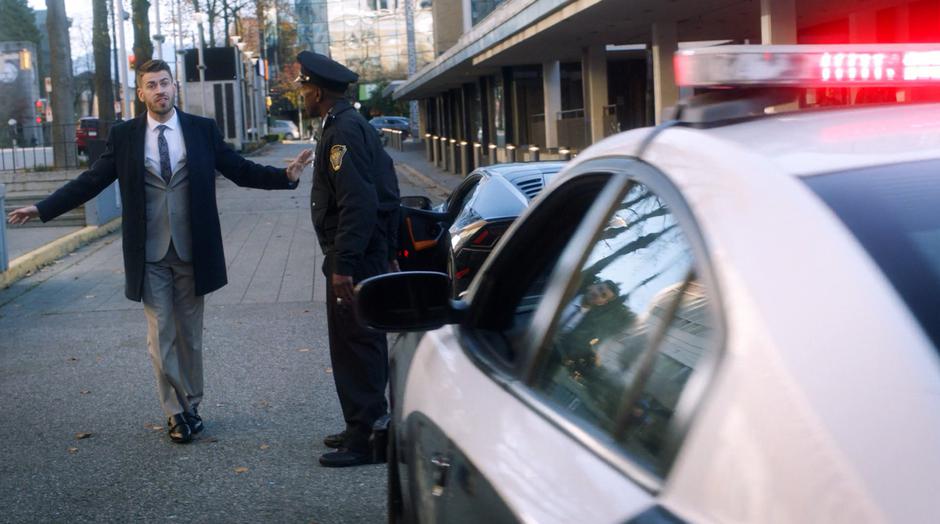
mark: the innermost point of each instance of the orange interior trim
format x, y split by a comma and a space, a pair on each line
420, 245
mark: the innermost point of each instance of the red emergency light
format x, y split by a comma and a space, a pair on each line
809, 65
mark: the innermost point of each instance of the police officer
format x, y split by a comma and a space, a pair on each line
354, 204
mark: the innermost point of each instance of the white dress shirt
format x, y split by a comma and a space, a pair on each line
174, 141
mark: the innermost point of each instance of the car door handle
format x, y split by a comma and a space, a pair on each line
441, 468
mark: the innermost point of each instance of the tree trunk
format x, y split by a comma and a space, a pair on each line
63, 111
101, 44
211, 11
225, 12
143, 47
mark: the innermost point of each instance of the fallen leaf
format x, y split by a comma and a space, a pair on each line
329, 370
264, 404
154, 427
264, 446
306, 311
84, 392
303, 350
73, 451
82, 435
73, 359
241, 469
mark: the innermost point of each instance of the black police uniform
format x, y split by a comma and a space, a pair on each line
354, 206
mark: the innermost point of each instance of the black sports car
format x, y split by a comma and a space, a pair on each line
457, 236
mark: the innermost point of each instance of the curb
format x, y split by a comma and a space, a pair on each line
35, 259
414, 174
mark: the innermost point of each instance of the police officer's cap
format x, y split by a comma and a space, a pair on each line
322, 71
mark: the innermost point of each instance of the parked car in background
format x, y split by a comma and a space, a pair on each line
457, 236
398, 123
285, 129
87, 129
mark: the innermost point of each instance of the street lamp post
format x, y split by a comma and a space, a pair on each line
158, 38
239, 101
255, 110
122, 59
200, 19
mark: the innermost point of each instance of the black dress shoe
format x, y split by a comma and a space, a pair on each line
194, 421
335, 440
179, 430
345, 457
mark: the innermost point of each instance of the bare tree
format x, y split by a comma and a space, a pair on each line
63, 111
101, 43
143, 46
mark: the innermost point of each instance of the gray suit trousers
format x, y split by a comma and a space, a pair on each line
174, 331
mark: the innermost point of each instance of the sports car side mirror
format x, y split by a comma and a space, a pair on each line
407, 301
416, 202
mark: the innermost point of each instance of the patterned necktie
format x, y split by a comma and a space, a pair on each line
165, 171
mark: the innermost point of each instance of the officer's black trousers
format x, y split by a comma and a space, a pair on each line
360, 364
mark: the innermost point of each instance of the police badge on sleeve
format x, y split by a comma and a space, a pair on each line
336, 157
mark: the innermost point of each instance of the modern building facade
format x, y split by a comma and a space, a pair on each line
562, 74
19, 91
368, 36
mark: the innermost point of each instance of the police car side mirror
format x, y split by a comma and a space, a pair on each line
407, 301
416, 202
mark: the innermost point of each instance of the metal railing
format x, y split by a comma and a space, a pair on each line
573, 129
47, 146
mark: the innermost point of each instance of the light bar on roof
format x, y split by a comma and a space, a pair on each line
809, 65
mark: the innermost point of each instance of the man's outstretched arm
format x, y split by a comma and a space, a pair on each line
73, 194
246, 173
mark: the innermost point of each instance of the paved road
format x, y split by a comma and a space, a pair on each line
73, 360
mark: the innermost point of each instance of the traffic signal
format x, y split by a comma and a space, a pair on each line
132, 61
40, 110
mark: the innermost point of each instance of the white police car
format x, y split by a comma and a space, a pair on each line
728, 318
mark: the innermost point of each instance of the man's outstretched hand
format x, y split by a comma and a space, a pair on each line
22, 215
297, 166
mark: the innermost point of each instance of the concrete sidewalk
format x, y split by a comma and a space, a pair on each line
73, 361
413, 164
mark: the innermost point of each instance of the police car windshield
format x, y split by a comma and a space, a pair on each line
892, 210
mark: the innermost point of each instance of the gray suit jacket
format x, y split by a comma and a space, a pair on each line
168, 215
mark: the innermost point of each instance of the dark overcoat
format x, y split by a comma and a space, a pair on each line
123, 160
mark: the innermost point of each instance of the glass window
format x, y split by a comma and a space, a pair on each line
627, 341
892, 211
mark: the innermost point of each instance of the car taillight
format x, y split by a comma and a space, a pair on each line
488, 235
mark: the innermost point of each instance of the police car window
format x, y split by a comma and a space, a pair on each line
630, 337
892, 211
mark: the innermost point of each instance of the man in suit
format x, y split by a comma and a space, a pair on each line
166, 162
354, 205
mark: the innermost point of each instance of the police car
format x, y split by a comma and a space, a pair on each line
732, 317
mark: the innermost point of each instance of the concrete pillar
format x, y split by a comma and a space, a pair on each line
465, 11
551, 86
422, 118
665, 44
778, 21
594, 75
